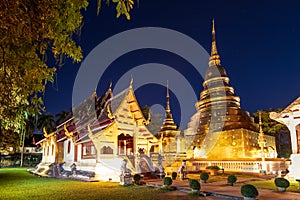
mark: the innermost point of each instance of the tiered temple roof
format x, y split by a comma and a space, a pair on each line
219, 107
169, 128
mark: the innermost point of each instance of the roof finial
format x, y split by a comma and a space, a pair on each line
214, 56
95, 92
110, 85
131, 81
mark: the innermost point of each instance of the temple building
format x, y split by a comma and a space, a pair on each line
290, 117
220, 129
96, 143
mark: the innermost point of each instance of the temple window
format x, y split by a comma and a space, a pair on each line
52, 149
69, 147
107, 150
88, 150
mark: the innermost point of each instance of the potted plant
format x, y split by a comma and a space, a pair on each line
137, 179
281, 184
231, 179
213, 170
195, 185
167, 181
174, 175
249, 192
204, 177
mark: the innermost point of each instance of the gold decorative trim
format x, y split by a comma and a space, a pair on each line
67, 133
46, 134
110, 115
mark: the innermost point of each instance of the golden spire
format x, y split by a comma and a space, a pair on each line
168, 109
169, 124
214, 56
260, 124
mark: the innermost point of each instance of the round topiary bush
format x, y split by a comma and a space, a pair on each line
137, 178
282, 182
194, 184
174, 175
249, 191
231, 179
167, 181
213, 167
204, 176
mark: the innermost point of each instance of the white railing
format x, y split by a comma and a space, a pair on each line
239, 166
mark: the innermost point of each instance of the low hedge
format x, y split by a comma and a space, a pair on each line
167, 181
194, 184
282, 182
204, 176
249, 191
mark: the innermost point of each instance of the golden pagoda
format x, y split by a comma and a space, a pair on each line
220, 128
169, 131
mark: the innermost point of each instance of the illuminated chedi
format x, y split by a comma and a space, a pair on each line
171, 143
221, 129
169, 131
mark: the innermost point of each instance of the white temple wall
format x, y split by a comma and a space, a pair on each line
69, 150
49, 151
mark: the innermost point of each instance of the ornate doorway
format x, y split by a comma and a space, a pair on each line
125, 145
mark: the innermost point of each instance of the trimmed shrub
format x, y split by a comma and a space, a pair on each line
249, 190
231, 179
167, 181
213, 167
204, 176
174, 175
137, 178
194, 184
282, 182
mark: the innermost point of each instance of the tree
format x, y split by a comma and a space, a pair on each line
8, 139
11, 139
271, 127
27, 130
123, 7
63, 116
46, 121
31, 32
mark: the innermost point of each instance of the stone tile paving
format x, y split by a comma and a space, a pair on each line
222, 190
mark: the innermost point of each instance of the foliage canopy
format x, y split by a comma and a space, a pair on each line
32, 33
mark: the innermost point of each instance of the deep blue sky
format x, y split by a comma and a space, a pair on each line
258, 42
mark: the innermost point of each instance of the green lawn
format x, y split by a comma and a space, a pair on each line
17, 183
269, 184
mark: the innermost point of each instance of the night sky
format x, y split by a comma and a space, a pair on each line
258, 42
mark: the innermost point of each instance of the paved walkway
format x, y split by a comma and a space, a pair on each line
223, 190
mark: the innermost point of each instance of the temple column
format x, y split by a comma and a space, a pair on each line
291, 122
294, 143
